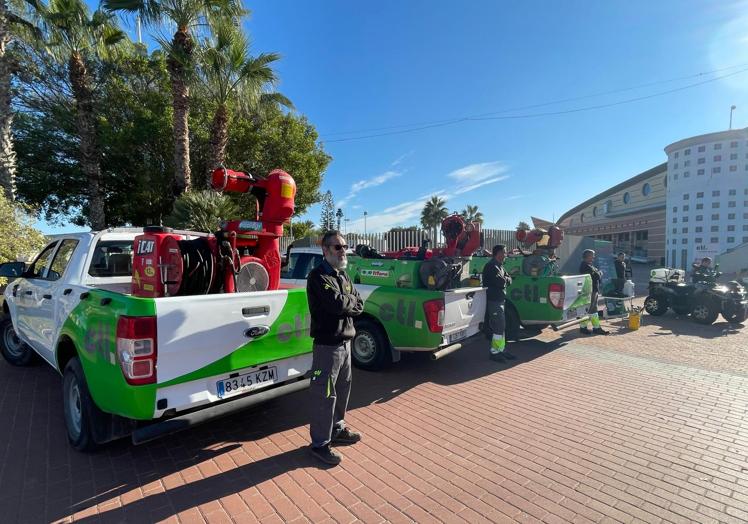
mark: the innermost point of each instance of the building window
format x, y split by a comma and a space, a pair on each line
664, 181
675, 209
733, 156
685, 208
731, 203
701, 160
700, 194
684, 230
581, 217
745, 216
675, 155
731, 216
675, 176
687, 152
627, 197
594, 211
732, 192
675, 230
731, 227
714, 240
715, 216
686, 163
745, 203
733, 169
715, 193
684, 241
646, 189
702, 149
730, 240
686, 174
700, 172
699, 206
699, 240
715, 205
734, 143
717, 146
715, 229
699, 218
699, 229
716, 169
745, 239
684, 219
745, 227
675, 166
686, 196
745, 191
608, 207
675, 220
717, 158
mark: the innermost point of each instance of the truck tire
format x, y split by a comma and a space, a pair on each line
370, 349
79, 408
655, 306
704, 311
14, 350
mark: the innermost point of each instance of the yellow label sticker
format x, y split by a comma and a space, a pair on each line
286, 191
148, 287
149, 271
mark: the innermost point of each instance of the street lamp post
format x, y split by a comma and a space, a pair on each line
365, 213
732, 108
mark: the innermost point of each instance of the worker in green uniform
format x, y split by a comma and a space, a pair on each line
496, 279
586, 268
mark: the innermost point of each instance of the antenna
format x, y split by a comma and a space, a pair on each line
732, 108
137, 23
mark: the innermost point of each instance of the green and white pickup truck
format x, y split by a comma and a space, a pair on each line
539, 296
146, 367
399, 319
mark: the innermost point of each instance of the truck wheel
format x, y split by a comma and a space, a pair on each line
512, 323
655, 306
78, 407
14, 350
704, 312
369, 348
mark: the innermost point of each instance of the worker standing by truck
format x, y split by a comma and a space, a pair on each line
586, 267
333, 302
496, 279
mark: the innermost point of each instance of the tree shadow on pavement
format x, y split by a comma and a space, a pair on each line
121, 467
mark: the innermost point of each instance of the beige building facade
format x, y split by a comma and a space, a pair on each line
631, 215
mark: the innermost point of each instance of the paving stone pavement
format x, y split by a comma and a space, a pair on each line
645, 426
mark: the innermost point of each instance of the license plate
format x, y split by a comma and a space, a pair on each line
459, 335
246, 382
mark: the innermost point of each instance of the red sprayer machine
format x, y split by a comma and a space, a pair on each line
244, 255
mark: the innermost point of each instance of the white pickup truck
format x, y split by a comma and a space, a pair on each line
146, 367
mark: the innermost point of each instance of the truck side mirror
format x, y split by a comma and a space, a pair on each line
12, 269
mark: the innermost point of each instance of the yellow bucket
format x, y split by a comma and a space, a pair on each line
635, 318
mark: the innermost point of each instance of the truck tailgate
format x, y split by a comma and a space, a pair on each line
464, 310
200, 336
577, 291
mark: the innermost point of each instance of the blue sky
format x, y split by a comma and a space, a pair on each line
355, 68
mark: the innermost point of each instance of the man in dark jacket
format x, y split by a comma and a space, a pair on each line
333, 302
496, 279
586, 268
620, 280
703, 272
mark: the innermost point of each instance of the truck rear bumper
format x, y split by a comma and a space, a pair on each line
172, 425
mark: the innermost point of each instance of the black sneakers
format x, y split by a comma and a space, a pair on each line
497, 357
346, 436
508, 355
600, 331
585, 331
327, 455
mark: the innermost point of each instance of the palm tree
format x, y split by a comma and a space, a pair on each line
16, 18
471, 214
78, 38
432, 215
187, 16
230, 74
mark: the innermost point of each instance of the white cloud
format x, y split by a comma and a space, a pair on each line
359, 186
465, 189
514, 197
401, 158
478, 172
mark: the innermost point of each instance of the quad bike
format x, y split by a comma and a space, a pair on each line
704, 299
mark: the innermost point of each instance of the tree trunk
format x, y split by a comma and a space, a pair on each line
7, 153
219, 137
89, 147
183, 46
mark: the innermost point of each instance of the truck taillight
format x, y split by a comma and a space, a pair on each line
136, 349
556, 295
434, 310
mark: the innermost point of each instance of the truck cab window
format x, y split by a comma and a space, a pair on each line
62, 259
40, 267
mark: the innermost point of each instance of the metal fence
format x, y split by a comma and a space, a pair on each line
396, 240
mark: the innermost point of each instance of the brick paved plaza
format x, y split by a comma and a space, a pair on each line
646, 426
